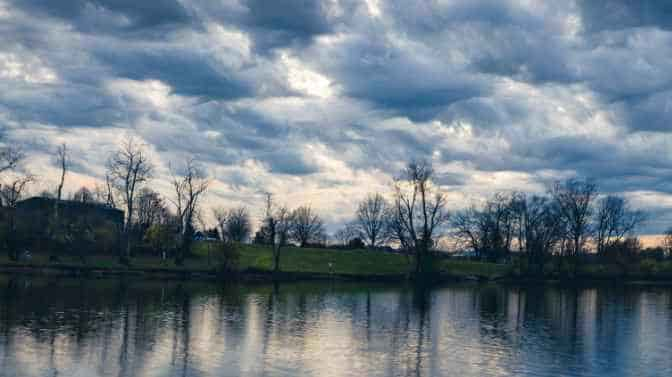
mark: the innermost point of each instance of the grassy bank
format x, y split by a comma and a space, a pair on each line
303, 261
308, 263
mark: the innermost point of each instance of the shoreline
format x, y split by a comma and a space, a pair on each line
251, 275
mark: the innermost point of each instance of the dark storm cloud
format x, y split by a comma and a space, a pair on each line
281, 23
405, 81
621, 14
110, 15
63, 106
187, 73
648, 113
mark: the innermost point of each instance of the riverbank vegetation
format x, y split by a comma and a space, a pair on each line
570, 231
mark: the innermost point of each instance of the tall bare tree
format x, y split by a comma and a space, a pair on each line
10, 193
614, 220
306, 226
189, 187
419, 210
371, 219
63, 161
574, 199
275, 228
128, 169
542, 229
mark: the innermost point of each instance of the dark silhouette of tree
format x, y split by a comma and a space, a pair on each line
275, 228
151, 208
667, 241
419, 211
10, 194
574, 199
63, 161
614, 220
234, 224
189, 188
13, 190
467, 230
10, 156
542, 229
306, 226
128, 169
83, 195
371, 220
490, 230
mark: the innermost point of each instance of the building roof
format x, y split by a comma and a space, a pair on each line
42, 202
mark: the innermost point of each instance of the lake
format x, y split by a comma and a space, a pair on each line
70, 327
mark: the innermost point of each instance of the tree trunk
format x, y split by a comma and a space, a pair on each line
276, 258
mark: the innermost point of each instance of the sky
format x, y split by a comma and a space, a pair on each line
322, 102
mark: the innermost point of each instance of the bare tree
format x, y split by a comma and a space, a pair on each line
10, 194
13, 191
542, 229
234, 224
350, 231
10, 156
614, 220
306, 226
275, 228
667, 241
150, 210
371, 219
63, 161
574, 199
420, 210
128, 169
490, 230
189, 188
467, 230
83, 195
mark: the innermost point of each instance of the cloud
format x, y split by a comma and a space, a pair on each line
108, 16
622, 14
322, 101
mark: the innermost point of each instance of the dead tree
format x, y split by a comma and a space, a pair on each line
371, 220
419, 210
234, 224
306, 226
128, 169
189, 187
614, 220
574, 199
275, 228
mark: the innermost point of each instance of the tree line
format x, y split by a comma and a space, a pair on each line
571, 219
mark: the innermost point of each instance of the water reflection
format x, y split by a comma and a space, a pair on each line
151, 328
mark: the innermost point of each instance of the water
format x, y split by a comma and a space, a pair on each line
66, 327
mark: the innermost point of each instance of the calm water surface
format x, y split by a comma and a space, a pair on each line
151, 328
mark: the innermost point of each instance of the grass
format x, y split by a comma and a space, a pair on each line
364, 263
293, 259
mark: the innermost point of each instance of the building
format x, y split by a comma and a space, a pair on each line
33, 220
